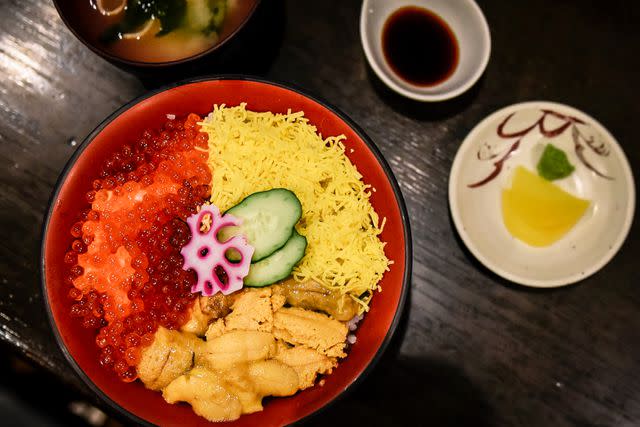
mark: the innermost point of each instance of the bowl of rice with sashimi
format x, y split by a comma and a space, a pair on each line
225, 251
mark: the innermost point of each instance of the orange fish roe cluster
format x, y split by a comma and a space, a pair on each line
125, 267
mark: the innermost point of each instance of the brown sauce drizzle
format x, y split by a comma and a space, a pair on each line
568, 121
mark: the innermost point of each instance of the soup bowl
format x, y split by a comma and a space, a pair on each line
82, 22
147, 407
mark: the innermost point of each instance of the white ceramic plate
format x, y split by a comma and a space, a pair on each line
602, 175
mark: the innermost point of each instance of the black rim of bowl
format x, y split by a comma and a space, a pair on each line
117, 59
406, 279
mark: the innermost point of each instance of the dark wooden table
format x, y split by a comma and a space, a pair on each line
473, 349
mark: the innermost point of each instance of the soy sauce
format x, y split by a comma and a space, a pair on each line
419, 46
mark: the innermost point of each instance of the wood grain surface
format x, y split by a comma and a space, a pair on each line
473, 349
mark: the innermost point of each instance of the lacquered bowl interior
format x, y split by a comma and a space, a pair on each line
199, 97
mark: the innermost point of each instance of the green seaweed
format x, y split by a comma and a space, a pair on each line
170, 13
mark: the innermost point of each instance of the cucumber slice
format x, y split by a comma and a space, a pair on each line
268, 218
279, 265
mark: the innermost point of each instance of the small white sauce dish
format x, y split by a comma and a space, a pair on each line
467, 23
602, 175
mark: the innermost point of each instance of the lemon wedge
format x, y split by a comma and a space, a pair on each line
537, 211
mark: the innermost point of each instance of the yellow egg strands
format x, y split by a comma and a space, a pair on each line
251, 151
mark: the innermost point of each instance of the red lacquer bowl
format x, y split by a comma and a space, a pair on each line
124, 126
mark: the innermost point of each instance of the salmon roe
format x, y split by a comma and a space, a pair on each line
125, 271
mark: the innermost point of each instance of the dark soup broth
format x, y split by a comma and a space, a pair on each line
155, 30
